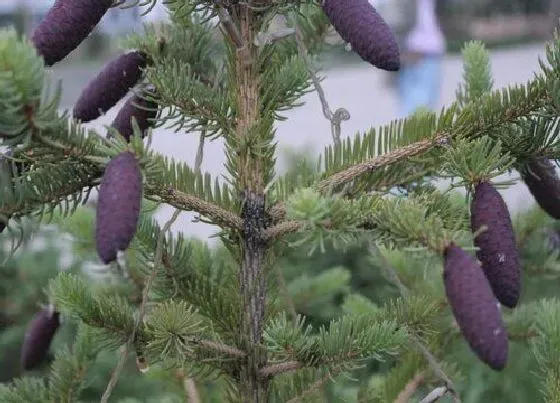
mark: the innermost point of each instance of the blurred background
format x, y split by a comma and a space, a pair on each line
515, 30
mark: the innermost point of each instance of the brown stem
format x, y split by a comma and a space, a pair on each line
190, 390
280, 368
390, 158
188, 202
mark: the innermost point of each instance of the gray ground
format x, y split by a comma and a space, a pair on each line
359, 88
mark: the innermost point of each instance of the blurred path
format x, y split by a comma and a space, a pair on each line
359, 88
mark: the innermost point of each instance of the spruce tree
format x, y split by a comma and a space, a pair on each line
224, 315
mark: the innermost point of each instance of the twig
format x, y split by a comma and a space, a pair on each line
436, 367
398, 155
340, 114
410, 388
432, 361
157, 262
263, 38
435, 395
199, 153
188, 202
219, 347
233, 33
190, 390
279, 368
278, 211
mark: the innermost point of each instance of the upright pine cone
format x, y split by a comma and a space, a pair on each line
137, 107
38, 338
543, 183
498, 251
118, 206
359, 24
475, 308
110, 86
66, 25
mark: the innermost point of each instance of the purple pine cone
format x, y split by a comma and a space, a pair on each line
118, 206
38, 338
475, 308
359, 24
65, 27
498, 251
110, 86
543, 183
143, 110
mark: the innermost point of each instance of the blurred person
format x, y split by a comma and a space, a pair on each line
423, 45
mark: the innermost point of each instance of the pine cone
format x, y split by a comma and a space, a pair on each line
359, 24
118, 206
66, 25
498, 251
143, 110
475, 308
110, 86
543, 183
38, 338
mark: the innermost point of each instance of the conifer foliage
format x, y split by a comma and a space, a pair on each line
226, 318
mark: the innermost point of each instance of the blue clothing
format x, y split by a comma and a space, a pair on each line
419, 84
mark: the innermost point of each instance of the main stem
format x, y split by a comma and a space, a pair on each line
252, 279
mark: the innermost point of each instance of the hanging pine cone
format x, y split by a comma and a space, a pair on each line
110, 86
359, 24
118, 206
543, 183
498, 251
475, 308
38, 338
66, 25
143, 110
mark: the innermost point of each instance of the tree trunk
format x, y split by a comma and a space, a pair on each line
252, 277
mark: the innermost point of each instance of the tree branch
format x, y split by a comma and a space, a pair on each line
381, 161
219, 347
280, 368
188, 202
435, 395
